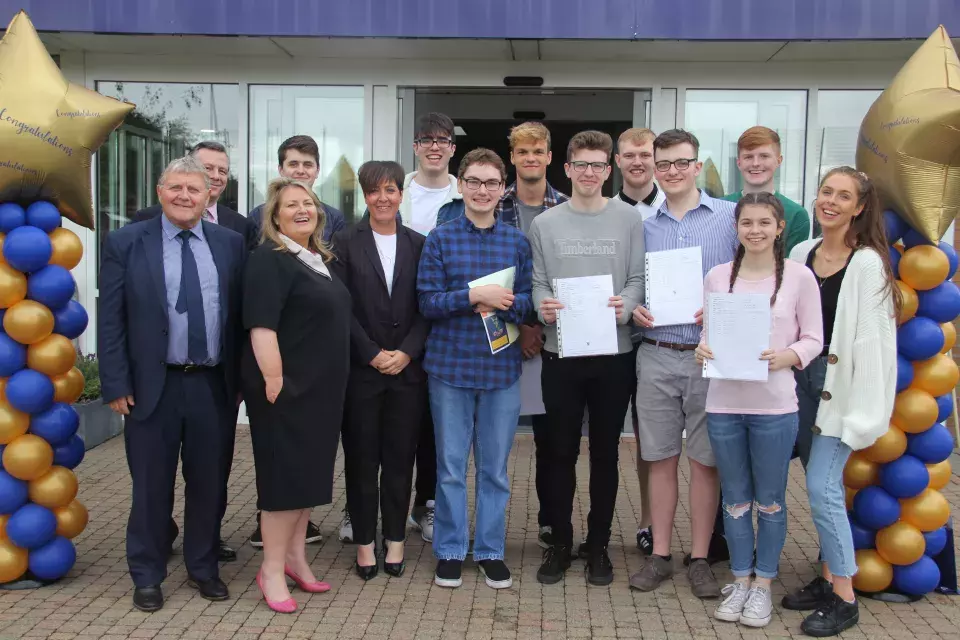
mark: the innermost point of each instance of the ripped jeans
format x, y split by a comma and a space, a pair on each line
753, 460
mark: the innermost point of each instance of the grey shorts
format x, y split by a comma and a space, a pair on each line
671, 397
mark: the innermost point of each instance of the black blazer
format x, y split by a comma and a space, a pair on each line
226, 217
132, 321
382, 321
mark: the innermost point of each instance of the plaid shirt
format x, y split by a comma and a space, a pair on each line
507, 209
455, 254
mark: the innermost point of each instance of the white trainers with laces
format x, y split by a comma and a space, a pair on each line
422, 520
346, 528
734, 598
758, 610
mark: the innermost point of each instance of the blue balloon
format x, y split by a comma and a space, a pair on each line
13, 356
29, 391
905, 374
53, 560
70, 320
875, 509
932, 446
58, 424
894, 225
11, 216
940, 304
919, 578
919, 339
51, 286
913, 239
936, 540
43, 215
863, 538
31, 526
895, 261
27, 249
948, 249
944, 406
13, 493
905, 477
70, 454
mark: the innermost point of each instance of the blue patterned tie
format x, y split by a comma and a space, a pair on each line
190, 301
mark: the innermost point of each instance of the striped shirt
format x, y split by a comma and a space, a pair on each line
710, 226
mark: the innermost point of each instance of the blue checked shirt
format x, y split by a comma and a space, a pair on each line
455, 254
507, 208
710, 226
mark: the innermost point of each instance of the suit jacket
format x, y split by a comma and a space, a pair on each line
226, 217
382, 321
132, 322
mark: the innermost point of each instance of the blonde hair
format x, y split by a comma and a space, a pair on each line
635, 136
270, 229
529, 132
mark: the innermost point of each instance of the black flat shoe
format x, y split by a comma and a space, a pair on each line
148, 599
225, 553
213, 589
367, 573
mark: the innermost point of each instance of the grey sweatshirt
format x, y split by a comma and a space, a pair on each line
568, 243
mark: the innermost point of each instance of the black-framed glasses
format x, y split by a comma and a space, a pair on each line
580, 166
443, 143
682, 164
474, 184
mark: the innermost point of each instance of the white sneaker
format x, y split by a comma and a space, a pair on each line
758, 610
422, 520
346, 528
735, 596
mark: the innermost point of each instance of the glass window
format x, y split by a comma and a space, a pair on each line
718, 117
333, 116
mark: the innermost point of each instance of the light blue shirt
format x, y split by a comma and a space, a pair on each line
209, 289
710, 226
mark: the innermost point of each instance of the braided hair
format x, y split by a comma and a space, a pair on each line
765, 199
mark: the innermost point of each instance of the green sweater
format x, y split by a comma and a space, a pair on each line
797, 218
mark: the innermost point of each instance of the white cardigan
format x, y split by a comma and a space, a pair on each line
861, 380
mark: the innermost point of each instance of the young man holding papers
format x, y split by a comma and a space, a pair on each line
474, 380
589, 235
671, 389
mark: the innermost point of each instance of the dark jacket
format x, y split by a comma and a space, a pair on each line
226, 217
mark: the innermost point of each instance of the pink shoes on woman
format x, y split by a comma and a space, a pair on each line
286, 606
290, 605
310, 587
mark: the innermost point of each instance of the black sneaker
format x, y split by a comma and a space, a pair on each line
645, 541
545, 539
833, 616
599, 568
809, 597
556, 560
496, 574
256, 540
448, 574
313, 533
716, 552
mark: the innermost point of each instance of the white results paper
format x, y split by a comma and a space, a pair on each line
674, 282
587, 324
738, 331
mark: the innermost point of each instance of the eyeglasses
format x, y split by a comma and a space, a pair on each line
443, 143
682, 164
580, 166
474, 184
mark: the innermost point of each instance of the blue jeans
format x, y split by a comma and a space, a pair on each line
828, 506
488, 421
753, 461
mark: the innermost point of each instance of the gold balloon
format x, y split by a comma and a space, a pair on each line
850, 495
71, 519
937, 376
927, 511
901, 543
13, 561
924, 267
3, 527
28, 322
873, 572
908, 139
56, 488
910, 302
13, 286
860, 472
67, 248
28, 457
939, 475
68, 387
949, 336
49, 128
53, 356
914, 410
13, 423
888, 447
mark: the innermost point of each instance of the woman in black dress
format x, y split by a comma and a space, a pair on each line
294, 375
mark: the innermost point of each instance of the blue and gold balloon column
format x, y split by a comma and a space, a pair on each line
39, 510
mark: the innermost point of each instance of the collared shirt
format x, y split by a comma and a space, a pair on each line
209, 289
649, 205
711, 226
507, 208
454, 255
211, 212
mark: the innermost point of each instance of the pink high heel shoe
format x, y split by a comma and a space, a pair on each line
310, 587
287, 606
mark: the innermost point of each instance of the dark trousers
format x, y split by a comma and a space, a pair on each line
602, 385
381, 426
229, 439
190, 423
426, 462
541, 429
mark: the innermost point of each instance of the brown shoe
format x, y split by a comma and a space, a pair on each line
702, 582
655, 571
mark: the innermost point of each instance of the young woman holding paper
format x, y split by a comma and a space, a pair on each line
753, 425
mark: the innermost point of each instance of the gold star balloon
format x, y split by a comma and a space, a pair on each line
49, 128
910, 138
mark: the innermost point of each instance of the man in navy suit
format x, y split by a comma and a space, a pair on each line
169, 332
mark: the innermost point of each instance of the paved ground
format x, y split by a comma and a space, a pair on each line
93, 601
